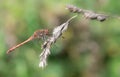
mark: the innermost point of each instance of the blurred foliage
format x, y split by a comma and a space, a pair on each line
89, 49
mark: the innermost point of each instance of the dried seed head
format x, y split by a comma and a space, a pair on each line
73, 9
101, 17
87, 13
57, 32
90, 15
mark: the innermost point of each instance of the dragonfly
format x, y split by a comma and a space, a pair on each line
38, 34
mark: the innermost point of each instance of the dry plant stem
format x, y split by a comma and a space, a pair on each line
57, 32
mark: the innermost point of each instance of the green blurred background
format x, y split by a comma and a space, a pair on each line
89, 49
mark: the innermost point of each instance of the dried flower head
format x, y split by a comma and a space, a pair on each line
57, 32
